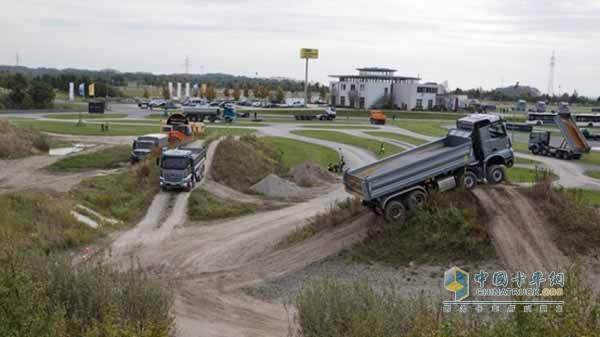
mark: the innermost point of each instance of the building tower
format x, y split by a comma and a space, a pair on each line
550, 91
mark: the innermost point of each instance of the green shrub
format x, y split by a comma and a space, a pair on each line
329, 308
450, 226
241, 163
44, 295
205, 206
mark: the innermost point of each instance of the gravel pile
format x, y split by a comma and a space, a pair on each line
276, 187
310, 174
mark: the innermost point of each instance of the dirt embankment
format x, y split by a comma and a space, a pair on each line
517, 228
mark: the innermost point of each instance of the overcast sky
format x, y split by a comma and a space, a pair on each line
468, 43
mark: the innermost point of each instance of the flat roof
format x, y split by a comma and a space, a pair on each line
377, 69
375, 77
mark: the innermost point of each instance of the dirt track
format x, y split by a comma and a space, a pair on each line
517, 230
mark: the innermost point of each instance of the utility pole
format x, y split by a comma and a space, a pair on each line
18, 60
550, 91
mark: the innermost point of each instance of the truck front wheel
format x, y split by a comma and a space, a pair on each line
495, 174
395, 211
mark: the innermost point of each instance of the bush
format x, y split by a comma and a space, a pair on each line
41, 94
574, 222
326, 307
241, 163
46, 296
449, 222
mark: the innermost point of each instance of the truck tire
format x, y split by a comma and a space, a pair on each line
395, 211
495, 174
416, 199
468, 180
535, 150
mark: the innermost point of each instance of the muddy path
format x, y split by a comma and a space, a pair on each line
207, 265
517, 230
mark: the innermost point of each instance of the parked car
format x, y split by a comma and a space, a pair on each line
257, 104
143, 104
156, 103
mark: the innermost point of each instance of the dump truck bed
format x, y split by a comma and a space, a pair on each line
575, 139
408, 168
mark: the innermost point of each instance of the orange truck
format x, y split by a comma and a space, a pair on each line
377, 117
178, 128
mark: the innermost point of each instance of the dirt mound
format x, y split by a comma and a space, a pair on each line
310, 174
276, 187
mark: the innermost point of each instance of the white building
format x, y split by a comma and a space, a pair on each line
378, 87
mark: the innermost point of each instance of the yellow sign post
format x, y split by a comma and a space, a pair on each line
307, 54
91, 90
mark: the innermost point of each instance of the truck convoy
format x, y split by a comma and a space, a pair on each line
477, 149
143, 145
211, 113
182, 167
329, 115
572, 146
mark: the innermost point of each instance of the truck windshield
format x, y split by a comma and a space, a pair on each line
144, 145
174, 163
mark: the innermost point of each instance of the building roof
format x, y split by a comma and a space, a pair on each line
377, 69
380, 77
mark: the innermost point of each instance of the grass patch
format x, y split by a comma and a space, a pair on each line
19, 142
124, 196
592, 158
573, 219
88, 129
396, 136
592, 174
86, 116
526, 175
241, 163
295, 152
341, 213
520, 147
450, 221
328, 307
525, 161
339, 137
109, 158
349, 127
204, 206
42, 220
48, 296
435, 129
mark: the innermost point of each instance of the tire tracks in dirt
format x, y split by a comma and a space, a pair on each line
517, 230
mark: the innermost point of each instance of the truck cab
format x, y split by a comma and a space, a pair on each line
181, 168
144, 145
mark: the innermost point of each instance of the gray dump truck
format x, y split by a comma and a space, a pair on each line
182, 168
477, 149
144, 145
573, 145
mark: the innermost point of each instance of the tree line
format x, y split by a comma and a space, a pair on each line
21, 92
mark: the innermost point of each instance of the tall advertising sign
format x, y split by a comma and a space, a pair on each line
71, 91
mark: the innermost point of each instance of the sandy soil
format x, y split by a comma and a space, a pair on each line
517, 230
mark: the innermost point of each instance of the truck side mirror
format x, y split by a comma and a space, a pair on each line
157, 161
134, 144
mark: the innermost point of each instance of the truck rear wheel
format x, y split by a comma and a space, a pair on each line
495, 174
395, 211
416, 199
468, 180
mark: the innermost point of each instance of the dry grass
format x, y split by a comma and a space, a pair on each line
17, 142
338, 214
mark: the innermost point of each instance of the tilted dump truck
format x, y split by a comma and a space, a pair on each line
477, 149
574, 142
182, 167
177, 127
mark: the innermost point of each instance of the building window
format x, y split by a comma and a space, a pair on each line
362, 103
343, 100
362, 87
427, 90
352, 87
430, 104
333, 100
343, 87
419, 104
